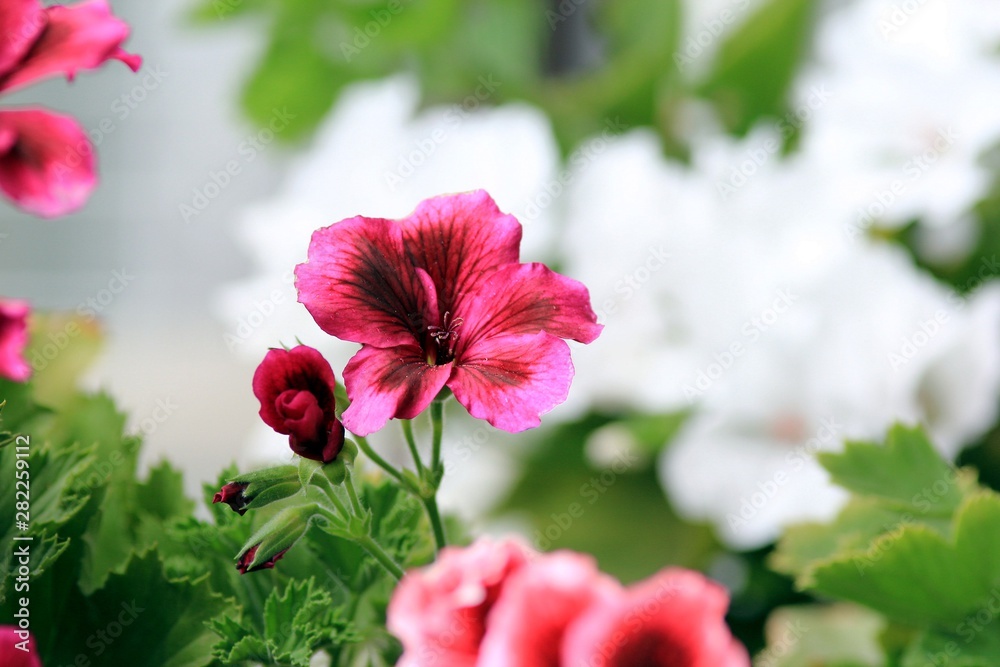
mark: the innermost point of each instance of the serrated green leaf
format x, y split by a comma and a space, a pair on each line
162, 494
916, 576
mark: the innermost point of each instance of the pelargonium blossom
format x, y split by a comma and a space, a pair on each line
46, 159
440, 299
13, 340
296, 392
498, 604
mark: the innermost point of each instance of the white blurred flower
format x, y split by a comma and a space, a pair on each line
912, 93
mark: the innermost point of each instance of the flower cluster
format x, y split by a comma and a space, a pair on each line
46, 159
494, 604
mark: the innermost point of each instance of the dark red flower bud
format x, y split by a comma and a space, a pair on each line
232, 495
296, 392
244, 564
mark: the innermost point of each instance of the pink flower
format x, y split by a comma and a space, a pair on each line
232, 495
440, 299
296, 392
497, 604
674, 618
46, 160
13, 340
440, 612
17, 648
537, 605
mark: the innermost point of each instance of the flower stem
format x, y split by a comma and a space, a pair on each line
411, 441
379, 461
327, 487
352, 492
379, 554
430, 501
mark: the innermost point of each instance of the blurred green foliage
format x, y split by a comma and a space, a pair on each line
493, 51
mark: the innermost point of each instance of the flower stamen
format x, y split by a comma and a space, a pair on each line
446, 337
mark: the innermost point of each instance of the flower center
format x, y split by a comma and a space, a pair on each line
445, 339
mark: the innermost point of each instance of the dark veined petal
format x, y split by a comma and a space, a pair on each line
526, 299
79, 37
46, 162
387, 383
510, 381
360, 285
460, 240
21, 22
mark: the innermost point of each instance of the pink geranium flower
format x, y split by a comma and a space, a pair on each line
440, 612
46, 159
674, 618
440, 299
12, 641
296, 392
498, 604
13, 340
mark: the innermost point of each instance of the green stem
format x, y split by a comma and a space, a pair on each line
437, 420
379, 554
411, 441
435, 516
379, 461
352, 493
327, 487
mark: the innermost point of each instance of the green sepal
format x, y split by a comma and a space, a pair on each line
279, 534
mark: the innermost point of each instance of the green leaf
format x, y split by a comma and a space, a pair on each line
162, 495
906, 470
806, 636
974, 643
756, 64
916, 576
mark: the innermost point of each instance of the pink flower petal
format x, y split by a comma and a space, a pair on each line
536, 606
440, 612
10, 655
79, 37
14, 339
674, 618
459, 240
359, 285
21, 21
526, 299
386, 383
510, 381
46, 162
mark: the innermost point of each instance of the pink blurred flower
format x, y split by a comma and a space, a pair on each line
10, 653
13, 340
296, 392
440, 612
496, 604
440, 299
46, 159
676, 617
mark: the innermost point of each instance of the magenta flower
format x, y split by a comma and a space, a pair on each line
296, 392
243, 564
17, 648
13, 340
440, 299
46, 159
232, 495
